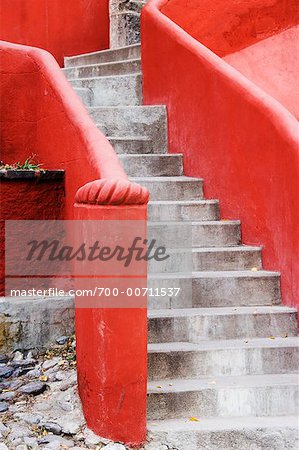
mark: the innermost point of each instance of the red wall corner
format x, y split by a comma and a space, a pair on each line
64, 28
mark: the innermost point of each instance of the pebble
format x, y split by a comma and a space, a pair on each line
34, 373
113, 446
48, 364
3, 358
32, 419
51, 438
14, 384
18, 356
70, 426
31, 442
155, 446
5, 371
3, 407
60, 375
34, 388
70, 382
52, 427
6, 396
92, 439
24, 363
66, 406
62, 340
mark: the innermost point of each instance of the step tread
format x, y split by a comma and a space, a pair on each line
127, 107
220, 311
129, 138
218, 274
169, 347
184, 202
101, 52
152, 155
222, 424
220, 382
123, 75
103, 64
178, 179
238, 248
196, 222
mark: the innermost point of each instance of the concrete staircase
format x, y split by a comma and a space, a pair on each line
223, 354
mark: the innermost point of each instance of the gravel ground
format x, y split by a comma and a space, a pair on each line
39, 403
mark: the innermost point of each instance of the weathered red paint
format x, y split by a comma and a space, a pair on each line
239, 139
63, 27
271, 65
228, 26
112, 351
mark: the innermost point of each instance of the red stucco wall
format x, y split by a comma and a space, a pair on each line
228, 26
239, 139
272, 65
63, 27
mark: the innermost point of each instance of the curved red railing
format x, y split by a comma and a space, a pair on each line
239, 139
41, 114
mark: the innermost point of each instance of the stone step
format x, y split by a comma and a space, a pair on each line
213, 289
116, 54
133, 145
223, 433
198, 324
226, 258
113, 90
147, 121
204, 258
152, 165
189, 210
104, 69
172, 188
228, 396
226, 233
252, 356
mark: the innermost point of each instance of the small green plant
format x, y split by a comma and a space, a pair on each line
28, 164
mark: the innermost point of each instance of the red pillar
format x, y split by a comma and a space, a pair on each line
112, 345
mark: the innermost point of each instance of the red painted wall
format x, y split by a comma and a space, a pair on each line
228, 26
272, 65
239, 139
63, 27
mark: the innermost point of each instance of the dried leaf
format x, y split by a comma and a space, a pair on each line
43, 378
193, 419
